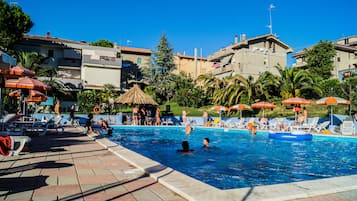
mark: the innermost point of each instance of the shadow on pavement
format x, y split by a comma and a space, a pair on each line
42, 165
21, 184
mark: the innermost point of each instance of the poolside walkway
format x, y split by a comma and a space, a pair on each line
74, 167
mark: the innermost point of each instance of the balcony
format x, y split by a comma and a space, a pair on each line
103, 61
221, 70
64, 62
299, 64
220, 54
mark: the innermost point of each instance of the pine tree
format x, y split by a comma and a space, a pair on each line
163, 57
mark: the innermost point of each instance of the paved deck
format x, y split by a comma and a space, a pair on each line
74, 167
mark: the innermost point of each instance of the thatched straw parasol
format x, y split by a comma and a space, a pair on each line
135, 96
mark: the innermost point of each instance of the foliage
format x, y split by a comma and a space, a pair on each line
187, 94
163, 57
34, 61
13, 24
295, 82
87, 100
319, 59
107, 95
102, 43
162, 87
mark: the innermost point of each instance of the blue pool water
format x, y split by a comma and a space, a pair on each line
236, 159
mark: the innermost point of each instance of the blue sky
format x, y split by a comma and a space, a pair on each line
209, 25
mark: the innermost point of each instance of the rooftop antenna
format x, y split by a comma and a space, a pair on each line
270, 26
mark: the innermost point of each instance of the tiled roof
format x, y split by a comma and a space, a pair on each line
51, 39
134, 49
190, 57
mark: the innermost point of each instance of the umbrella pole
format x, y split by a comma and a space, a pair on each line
331, 116
241, 114
263, 112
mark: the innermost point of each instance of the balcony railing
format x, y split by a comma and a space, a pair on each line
220, 54
69, 62
110, 61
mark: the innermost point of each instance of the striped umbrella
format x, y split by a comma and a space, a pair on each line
263, 105
240, 107
331, 100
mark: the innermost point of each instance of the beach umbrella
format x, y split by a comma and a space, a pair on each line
15, 93
21, 71
263, 105
331, 101
240, 107
296, 101
219, 109
135, 96
26, 83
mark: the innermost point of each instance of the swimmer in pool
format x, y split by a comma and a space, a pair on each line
185, 147
205, 143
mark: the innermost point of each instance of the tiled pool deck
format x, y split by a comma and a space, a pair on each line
74, 167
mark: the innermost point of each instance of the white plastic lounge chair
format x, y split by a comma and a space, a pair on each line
42, 127
17, 144
312, 124
240, 123
347, 128
322, 126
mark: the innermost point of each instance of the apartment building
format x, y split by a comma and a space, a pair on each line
80, 66
250, 56
192, 66
345, 60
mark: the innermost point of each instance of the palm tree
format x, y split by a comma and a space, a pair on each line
107, 94
209, 84
294, 82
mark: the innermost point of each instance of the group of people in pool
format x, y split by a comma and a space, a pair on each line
186, 146
105, 128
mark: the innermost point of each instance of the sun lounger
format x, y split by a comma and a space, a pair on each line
322, 126
347, 128
12, 145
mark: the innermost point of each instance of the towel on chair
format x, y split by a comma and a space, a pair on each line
6, 145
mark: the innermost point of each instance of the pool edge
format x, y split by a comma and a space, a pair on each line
196, 190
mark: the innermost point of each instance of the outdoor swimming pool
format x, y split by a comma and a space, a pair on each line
236, 159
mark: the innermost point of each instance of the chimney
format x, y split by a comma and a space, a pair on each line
243, 37
48, 35
235, 39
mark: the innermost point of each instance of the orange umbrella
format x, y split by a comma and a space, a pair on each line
240, 107
219, 108
263, 105
296, 101
26, 83
21, 71
35, 98
332, 101
15, 93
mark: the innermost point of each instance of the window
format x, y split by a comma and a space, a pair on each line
338, 59
138, 60
50, 53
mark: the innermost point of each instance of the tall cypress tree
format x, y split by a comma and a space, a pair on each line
163, 57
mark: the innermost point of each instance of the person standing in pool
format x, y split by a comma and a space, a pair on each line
185, 147
205, 143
